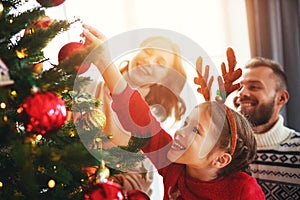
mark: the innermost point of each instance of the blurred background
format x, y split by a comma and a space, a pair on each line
268, 28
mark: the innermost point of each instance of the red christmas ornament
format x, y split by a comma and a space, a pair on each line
70, 49
105, 191
42, 23
43, 112
50, 3
109, 190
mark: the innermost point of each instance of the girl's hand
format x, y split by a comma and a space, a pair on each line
100, 56
92, 35
95, 40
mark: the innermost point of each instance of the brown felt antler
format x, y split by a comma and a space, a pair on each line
202, 81
226, 85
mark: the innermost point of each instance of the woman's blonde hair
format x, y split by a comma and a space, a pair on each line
167, 93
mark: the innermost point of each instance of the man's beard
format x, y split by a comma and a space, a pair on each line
260, 115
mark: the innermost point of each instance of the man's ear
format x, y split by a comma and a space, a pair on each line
283, 97
222, 160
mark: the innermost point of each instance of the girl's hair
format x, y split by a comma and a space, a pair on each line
245, 144
166, 94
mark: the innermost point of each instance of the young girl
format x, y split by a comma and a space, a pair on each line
209, 156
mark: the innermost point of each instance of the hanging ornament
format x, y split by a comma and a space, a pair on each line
94, 119
103, 172
42, 23
69, 50
105, 191
111, 190
4, 74
43, 112
50, 3
37, 67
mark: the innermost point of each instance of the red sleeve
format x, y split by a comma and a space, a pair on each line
134, 113
135, 116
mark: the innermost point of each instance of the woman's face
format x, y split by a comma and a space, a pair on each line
150, 65
195, 139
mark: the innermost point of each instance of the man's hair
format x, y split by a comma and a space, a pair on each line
274, 66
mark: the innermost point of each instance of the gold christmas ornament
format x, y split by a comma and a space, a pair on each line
103, 172
38, 67
95, 119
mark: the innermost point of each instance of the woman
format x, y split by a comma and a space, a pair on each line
152, 70
149, 71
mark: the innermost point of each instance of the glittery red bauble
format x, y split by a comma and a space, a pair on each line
69, 50
110, 190
105, 191
50, 3
43, 112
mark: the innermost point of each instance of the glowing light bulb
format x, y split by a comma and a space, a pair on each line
13, 93
51, 183
39, 137
2, 105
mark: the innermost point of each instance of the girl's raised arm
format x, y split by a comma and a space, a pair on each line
101, 58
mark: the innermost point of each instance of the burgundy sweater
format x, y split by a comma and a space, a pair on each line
135, 116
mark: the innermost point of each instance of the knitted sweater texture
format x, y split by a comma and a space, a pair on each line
277, 164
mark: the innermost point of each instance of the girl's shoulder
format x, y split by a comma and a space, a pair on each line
240, 177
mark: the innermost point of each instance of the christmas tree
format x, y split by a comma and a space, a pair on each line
41, 151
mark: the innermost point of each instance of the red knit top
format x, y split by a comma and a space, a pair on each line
135, 116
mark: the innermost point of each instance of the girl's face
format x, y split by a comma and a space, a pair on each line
150, 65
195, 139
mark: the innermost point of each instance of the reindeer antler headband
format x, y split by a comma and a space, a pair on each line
226, 87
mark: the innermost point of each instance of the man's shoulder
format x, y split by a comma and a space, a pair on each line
293, 141
296, 134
